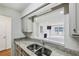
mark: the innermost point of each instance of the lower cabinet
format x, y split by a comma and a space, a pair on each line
20, 51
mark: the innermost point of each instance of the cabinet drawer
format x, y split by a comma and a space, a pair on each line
20, 51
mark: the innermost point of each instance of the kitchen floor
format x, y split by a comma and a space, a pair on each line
6, 52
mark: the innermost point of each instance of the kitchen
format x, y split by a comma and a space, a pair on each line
44, 29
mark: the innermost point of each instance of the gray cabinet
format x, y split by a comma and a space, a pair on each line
20, 51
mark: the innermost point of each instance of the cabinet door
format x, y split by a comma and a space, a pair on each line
23, 53
26, 25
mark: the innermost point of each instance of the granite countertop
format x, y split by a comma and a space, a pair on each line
23, 43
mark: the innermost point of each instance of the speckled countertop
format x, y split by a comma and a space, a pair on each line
23, 43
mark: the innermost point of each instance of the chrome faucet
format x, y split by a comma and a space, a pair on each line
43, 42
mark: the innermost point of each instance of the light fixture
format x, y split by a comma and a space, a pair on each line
61, 12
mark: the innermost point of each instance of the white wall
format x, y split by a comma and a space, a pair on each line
16, 22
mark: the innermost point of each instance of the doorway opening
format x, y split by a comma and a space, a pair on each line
5, 35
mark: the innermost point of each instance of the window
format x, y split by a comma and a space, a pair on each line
52, 30
58, 30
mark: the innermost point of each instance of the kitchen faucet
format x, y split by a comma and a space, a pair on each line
42, 42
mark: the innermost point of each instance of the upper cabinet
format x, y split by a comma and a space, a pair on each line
74, 19
26, 25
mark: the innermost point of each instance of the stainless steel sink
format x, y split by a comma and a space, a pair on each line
43, 52
34, 47
39, 50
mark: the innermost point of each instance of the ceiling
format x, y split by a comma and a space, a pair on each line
17, 6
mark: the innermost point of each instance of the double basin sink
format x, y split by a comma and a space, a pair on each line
39, 50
